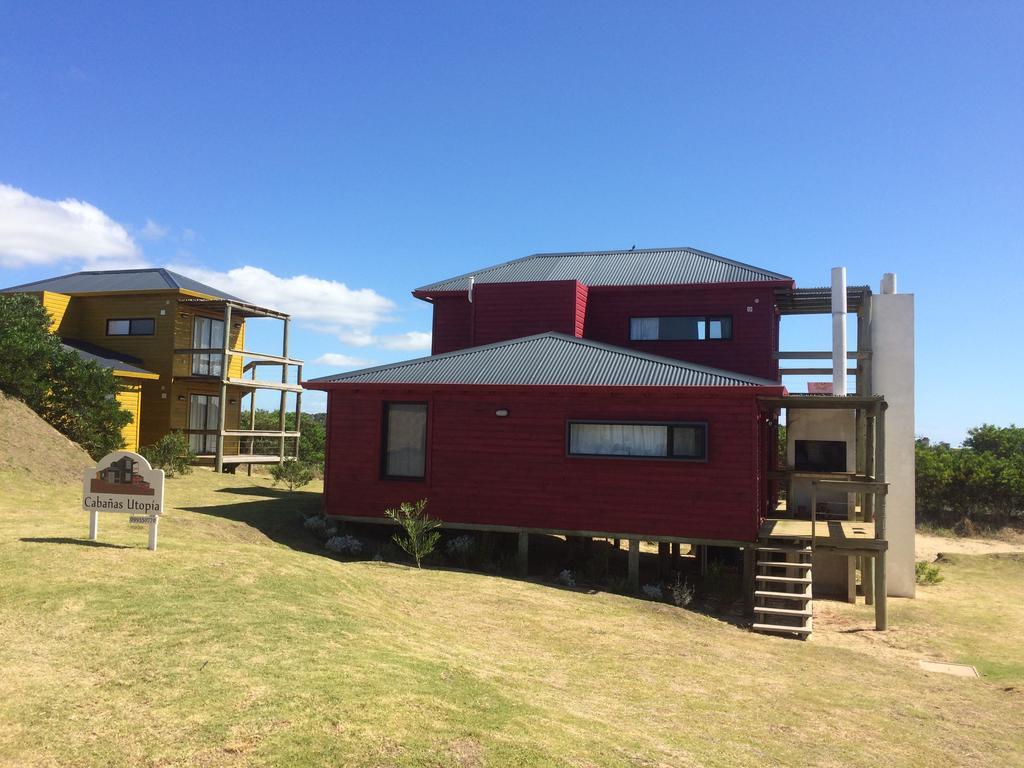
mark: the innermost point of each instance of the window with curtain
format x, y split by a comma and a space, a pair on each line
405, 440
688, 328
666, 441
203, 414
136, 326
207, 333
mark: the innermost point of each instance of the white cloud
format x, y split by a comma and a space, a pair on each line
342, 362
153, 231
409, 341
34, 230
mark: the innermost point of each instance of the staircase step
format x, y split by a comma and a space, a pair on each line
779, 548
785, 579
806, 613
783, 595
782, 564
779, 628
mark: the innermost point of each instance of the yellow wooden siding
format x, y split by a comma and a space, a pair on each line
57, 305
130, 399
235, 366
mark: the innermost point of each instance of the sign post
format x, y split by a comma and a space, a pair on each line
123, 481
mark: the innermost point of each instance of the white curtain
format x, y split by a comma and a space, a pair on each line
618, 439
203, 413
643, 328
407, 440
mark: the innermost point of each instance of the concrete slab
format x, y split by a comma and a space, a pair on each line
958, 670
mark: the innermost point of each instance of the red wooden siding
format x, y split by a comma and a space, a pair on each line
514, 471
503, 311
754, 333
451, 327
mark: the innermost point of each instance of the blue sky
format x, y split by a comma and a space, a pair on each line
379, 146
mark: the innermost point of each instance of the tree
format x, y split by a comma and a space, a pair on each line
294, 473
421, 531
77, 397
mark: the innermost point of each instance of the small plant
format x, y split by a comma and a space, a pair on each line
927, 574
566, 578
317, 525
171, 453
682, 593
292, 473
421, 532
344, 545
652, 592
461, 549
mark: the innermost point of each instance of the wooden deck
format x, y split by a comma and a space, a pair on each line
241, 458
828, 534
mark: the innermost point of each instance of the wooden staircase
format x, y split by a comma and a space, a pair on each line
782, 586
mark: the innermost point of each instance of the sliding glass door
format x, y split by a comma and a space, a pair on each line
203, 413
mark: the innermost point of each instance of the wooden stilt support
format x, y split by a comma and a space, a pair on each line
523, 559
664, 559
634, 566
867, 579
748, 581
677, 561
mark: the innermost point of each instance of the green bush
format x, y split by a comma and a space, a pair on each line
171, 453
421, 532
293, 473
77, 397
927, 573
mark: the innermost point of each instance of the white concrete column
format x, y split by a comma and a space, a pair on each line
892, 376
839, 331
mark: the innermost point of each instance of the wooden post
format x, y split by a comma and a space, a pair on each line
676, 558
284, 394
298, 411
748, 581
867, 578
523, 559
222, 409
881, 613
634, 566
152, 532
252, 423
94, 525
664, 553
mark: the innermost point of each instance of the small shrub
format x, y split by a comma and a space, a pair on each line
344, 545
566, 578
928, 574
597, 563
682, 593
171, 453
652, 592
421, 532
461, 549
293, 474
316, 525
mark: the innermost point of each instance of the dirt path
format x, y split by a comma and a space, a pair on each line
928, 546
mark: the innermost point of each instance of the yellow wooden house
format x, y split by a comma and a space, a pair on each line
163, 335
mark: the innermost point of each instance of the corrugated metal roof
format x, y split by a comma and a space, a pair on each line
105, 358
116, 280
652, 266
548, 359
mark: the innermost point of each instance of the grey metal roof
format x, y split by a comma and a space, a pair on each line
651, 266
105, 358
547, 359
116, 280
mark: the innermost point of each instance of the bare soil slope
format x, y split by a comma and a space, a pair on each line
30, 446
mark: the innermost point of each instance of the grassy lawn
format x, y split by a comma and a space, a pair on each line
238, 643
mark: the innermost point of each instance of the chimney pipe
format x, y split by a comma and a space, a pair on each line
839, 331
889, 283
469, 293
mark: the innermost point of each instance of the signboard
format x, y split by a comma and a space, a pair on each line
123, 481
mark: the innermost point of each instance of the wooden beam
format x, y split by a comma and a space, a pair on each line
812, 371
819, 355
264, 358
854, 486
523, 557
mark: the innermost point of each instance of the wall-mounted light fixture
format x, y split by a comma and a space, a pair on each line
501, 412
232, 401
181, 398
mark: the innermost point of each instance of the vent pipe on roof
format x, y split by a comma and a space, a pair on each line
469, 293
889, 283
839, 331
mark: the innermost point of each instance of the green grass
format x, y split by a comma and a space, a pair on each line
239, 643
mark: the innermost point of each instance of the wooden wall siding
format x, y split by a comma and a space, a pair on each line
130, 399
451, 325
56, 304
755, 333
514, 471
509, 310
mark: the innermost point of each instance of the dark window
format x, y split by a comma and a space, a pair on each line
405, 439
692, 328
138, 326
664, 441
820, 456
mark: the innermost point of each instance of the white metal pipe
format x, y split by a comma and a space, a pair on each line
839, 331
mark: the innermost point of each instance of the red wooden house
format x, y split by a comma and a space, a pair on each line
596, 394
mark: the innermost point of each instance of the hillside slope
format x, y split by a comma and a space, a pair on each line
241, 643
32, 447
